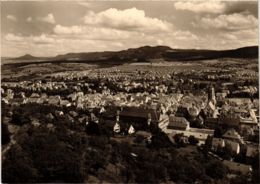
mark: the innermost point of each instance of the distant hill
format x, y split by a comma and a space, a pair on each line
182, 55
30, 57
141, 54
147, 52
26, 57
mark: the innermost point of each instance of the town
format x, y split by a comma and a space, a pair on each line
149, 92
212, 110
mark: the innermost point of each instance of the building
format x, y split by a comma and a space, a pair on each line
239, 101
238, 168
211, 122
229, 122
234, 146
233, 135
178, 123
252, 150
200, 134
142, 118
217, 143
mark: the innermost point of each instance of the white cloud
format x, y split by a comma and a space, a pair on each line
11, 17
41, 39
201, 7
234, 21
85, 4
58, 29
29, 19
13, 38
49, 19
128, 19
185, 35
91, 33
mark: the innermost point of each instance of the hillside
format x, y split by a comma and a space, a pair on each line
147, 52
141, 54
26, 57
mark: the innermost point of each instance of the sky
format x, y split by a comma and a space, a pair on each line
49, 28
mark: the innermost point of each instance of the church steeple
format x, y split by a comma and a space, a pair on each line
211, 94
117, 128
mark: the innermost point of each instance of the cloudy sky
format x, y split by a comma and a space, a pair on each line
51, 28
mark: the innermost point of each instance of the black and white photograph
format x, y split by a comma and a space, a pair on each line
130, 91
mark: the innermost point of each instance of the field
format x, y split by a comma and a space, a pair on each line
38, 70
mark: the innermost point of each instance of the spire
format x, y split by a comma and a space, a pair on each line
211, 94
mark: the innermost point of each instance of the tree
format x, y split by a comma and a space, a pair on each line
216, 170
19, 118
5, 134
178, 138
207, 145
192, 140
93, 128
160, 140
18, 167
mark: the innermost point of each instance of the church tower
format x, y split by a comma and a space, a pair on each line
211, 94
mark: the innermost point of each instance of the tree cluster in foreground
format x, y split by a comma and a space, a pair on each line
67, 154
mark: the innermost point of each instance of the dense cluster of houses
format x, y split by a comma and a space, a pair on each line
155, 102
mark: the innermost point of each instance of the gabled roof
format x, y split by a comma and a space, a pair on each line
232, 134
178, 122
232, 121
138, 112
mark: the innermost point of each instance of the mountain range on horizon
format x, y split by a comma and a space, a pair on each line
148, 53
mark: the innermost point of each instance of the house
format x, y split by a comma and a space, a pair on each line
35, 122
35, 95
239, 101
17, 101
65, 103
238, 168
140, 117
72, 97
116, 128
252, 150
231, 122
250, 121
163, 122
234, 146
233, 135
200, 134
54, 100
59, 113
73, 114
211, 122
193, 111
217, 143
178, 123
5, 101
